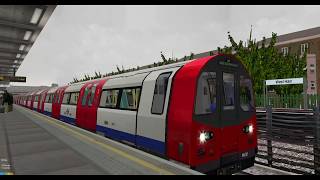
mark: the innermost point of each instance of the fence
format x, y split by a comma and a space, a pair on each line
289, 140
287, 101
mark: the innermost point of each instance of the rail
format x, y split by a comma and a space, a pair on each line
289, 139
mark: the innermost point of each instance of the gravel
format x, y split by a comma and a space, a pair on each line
298, 157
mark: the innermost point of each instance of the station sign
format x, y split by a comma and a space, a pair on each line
13, 78
284, 81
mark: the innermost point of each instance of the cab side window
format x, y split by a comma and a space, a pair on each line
246, 94
160, 92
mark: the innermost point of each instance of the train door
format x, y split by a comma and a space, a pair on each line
92, 105
56, 105
229, 117
80, 115
43, 99
152, 113
88, 105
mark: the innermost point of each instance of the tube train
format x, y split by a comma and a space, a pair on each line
199, 112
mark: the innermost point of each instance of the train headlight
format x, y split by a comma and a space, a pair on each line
202, 137
248, 129
205, 136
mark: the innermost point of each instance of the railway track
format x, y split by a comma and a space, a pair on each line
242, 173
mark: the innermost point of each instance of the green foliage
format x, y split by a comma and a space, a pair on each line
264, 61
191, 56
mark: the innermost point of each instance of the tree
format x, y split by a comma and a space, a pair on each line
191, 56
264, 61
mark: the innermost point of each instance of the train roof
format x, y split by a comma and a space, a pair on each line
53, 90
135, 73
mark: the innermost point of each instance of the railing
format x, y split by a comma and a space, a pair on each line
295, 101
289, 140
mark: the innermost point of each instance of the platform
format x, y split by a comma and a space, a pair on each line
31, 143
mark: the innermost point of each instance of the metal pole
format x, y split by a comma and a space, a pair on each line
305, 97
316, 144
269, 134
265, 94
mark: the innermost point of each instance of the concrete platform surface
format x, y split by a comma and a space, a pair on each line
31, 143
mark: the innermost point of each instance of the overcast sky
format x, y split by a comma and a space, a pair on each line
85, 39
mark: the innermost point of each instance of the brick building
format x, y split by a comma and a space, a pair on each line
299, 42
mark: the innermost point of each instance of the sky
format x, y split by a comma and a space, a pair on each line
80, 40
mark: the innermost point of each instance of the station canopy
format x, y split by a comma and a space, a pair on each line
20, 26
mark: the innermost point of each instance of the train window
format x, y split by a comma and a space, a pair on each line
206, 100
74, 98
66, 98
47, 98
130, 98
228, 91
159, 95
246, 94
50, 98
91, 98
55, 98
84, 98
109, 98
58, 98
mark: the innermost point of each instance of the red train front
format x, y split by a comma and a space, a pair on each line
211, 118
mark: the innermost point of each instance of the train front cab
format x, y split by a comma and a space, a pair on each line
210, 127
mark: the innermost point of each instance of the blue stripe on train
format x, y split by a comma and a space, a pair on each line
146, 143
47, 113
115, 134
67, 119
151, 144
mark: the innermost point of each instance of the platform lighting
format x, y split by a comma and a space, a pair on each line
18, 56
36, 16
27, 35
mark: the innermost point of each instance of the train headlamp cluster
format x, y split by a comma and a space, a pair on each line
248, 129
205, 136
